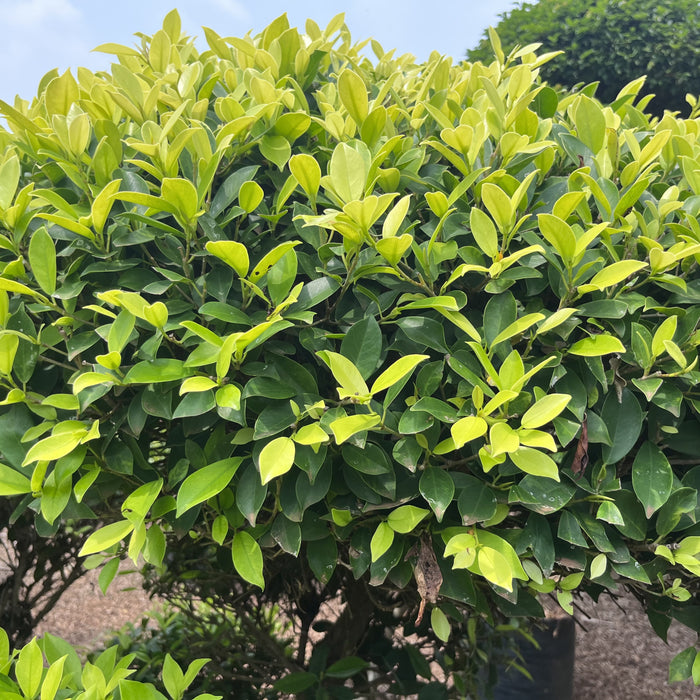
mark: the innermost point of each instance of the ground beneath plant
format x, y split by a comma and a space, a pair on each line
618, 656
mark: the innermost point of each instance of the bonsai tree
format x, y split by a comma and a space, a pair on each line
611, 43
293, 326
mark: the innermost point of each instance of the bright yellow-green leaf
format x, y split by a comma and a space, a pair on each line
9, 343
599, 565
665, 331
499, 205
544, 410
534, 462
307, 173
345, 373
612, 275
12, 483
55, 446
559, 235
503, 439
382, 539
206, 483
597, 345
89, 379
105, 537
42, 259
393, 249
467, 429
312, 434
395, 217
556, 319
232, 253
405, 518
494, 567
156, 314
484, 232
247, 558
517, 327
276, 458
397, 371
344, 428
229, 396
440, 624
353, 95
250, 196
196, 384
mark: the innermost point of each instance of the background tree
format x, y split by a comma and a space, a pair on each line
295, 327
611, 42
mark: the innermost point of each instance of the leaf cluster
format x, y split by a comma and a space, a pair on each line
611, 43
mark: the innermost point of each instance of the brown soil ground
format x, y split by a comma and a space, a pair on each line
618, 656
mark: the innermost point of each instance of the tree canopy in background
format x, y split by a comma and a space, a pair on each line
611, 42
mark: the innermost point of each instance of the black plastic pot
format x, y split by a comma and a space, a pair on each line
551, 666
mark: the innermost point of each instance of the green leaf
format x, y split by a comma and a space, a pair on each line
182, 195
599, 565
477, 502
438, 489
249, 197
624, 422
346, 427
348, 171
559, 235
397, 371
29, 669
612, 275
544, 410
405, 518
276, 458
307, 172
382, 539
156, 371
362, 345
484, 232
652, 477
55, 446
42, 259
9, 179
346, 668
276, 149
248, 558
353, 95
393, 249
205, 483
232, 253
440, 624
590, 123
499, 205
467, 429
494, 567
105, 537
681, 666
345, 373
534, 462
597, 345
12, 483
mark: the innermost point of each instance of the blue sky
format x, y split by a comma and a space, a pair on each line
39, 35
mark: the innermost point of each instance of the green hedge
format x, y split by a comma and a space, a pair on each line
421, 337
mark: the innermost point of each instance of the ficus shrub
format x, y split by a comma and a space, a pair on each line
420, 338
611, 43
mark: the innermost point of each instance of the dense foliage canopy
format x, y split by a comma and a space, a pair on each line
612, 42
418, 337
